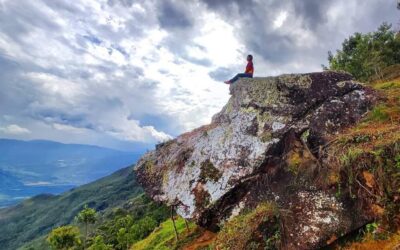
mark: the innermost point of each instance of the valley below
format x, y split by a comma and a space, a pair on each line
29, 168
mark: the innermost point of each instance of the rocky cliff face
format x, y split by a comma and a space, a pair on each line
264, 147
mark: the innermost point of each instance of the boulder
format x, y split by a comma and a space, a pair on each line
263, 147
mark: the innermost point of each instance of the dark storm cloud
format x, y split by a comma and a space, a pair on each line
257, 33
226, 4
280, 46
313, 12
171, 16
277, 48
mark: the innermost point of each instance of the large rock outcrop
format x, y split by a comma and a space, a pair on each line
263, 146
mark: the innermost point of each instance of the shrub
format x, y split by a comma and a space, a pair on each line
65, 237
366, 55
258, 228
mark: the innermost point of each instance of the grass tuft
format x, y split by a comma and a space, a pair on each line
163, 237
379, 113
257, 229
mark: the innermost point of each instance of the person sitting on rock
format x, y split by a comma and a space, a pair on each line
248, 73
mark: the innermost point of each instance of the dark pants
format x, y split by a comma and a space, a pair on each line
241, 75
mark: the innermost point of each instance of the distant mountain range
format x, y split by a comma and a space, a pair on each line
28, 168
33, 218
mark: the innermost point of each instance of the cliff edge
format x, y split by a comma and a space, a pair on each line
264, 148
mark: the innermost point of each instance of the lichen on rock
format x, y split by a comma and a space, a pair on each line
209, 172
242, 159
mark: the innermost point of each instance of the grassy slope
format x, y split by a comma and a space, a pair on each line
163, 237
369, 156
35, 217
369, 243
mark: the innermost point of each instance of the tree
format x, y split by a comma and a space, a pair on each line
99, 244
124, 222
122, 225
122, 237
87, 216
141, 229
173, 223
64, 238
110, 229
366, 55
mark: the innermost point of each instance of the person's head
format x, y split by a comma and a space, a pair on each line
249, 58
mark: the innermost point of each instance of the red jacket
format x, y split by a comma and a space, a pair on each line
249, 68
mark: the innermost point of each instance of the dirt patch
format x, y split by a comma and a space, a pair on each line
204, 240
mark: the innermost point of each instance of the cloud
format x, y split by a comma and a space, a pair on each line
312, 12
172, 16
298, 40
221, 74
68, 128
280, 19
127, 73
14, 129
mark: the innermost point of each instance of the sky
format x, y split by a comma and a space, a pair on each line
127, 74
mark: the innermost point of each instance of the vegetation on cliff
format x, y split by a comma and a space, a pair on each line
242, 231
365, 56
367, 160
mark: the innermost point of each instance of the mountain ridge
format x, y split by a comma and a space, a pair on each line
42, 141
33, 167
36, 216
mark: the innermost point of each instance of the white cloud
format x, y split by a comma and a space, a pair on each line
14, 129
54, 86
108, 72
39, 183
220, 41
68, 128
280, 19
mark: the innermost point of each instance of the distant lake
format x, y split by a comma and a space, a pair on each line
11, 197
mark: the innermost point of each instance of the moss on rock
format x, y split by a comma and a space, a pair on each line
202, 197
301, 81
258, 229
209, 172
264, 92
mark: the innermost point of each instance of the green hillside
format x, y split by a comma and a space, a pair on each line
29, 168
35, 217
